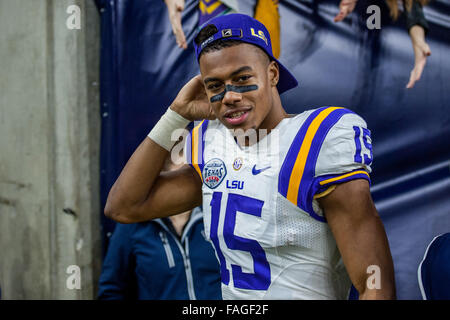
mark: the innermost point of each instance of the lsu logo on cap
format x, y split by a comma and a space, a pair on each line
214, 172
260, 35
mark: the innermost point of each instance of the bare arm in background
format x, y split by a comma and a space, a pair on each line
421, 52
417, 27
175, 8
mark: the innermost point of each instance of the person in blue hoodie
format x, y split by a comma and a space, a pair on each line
434, 269
162, 259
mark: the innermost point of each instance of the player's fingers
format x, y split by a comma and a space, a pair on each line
211, 115
197, 78
196, 89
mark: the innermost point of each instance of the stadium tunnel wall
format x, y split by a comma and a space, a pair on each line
343, 64
49, 142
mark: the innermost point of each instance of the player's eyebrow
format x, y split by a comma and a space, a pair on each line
241, 69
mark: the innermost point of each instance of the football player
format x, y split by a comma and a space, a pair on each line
286, 199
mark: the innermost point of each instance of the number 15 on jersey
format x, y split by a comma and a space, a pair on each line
260, 278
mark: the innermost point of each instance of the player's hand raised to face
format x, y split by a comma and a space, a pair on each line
192, 102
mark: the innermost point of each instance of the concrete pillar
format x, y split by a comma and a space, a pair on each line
49, 150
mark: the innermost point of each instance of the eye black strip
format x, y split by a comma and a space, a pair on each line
229, 87
218, 97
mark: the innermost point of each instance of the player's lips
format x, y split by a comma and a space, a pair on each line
236, 116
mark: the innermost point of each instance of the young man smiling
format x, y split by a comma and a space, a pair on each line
289, 213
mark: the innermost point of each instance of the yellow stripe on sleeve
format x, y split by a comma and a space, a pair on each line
300, 162
195, 148
325, 193
344, 176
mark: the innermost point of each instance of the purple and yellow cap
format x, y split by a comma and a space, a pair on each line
241, 27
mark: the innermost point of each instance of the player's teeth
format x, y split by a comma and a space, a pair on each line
237, 114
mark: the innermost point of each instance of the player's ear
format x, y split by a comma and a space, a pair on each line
274, 73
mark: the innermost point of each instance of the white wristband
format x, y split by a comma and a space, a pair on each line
162, 131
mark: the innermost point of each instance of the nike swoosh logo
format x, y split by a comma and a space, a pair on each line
256, 171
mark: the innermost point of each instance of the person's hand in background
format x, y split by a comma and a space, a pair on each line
345, 8
175, 7
421, 52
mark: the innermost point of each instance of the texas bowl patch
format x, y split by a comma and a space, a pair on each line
214, 172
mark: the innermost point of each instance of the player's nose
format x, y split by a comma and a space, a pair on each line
231, 98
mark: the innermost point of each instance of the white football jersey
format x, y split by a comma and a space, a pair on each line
259, 202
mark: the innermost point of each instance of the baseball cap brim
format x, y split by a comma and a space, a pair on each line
286, 80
